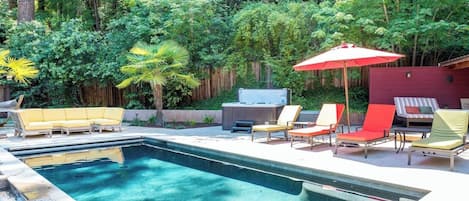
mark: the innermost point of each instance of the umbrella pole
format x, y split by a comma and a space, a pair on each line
346, 95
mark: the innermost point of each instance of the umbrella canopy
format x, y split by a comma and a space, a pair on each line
344, 56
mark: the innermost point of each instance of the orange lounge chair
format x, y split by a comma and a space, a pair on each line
378, 122
326, 124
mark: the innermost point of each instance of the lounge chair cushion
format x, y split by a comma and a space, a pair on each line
289, 113
53, 114
75, 123
327, 115
75, 114
438, 143
38, 126
269, 128
361, 136
310, 131
105, 122
448, 130
379, 118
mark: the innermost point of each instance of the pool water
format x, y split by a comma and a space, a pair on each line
148, 174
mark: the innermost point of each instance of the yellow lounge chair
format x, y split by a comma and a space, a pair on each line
447, 138
288, 115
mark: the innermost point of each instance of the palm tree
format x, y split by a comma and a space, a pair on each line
154, 64
21, 70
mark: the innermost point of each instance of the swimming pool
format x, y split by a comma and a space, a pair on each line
149, 169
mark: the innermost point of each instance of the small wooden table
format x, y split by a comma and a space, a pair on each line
401, 131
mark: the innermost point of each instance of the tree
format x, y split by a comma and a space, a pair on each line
18, 69
25, 10
155, 64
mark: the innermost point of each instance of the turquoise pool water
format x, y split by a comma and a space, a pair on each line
153, 174
149, 169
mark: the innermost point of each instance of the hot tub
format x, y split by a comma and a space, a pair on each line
259, 105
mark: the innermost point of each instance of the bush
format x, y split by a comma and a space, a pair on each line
209, 119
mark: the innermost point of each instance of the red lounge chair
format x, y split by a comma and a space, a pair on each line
326, 124
378, 122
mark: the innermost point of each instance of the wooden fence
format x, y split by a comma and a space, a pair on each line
217, 81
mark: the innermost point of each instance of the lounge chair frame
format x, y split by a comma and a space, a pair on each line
365, 144
442, 153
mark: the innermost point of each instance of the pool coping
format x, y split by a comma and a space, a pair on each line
35, 187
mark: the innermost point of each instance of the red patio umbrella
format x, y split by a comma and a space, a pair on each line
344, 56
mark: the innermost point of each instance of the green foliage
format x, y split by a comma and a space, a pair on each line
313, 100
208, 119
6, 21
137, 122
152, 120
216, 102
191, 123
76, 43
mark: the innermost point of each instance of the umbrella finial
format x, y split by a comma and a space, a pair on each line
346, 45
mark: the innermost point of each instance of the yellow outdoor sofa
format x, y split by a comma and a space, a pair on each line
66, 120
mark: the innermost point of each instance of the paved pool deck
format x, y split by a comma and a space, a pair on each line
383, 163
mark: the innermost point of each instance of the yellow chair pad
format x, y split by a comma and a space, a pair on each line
38, 126
269, 128
75, 123
105, 122
437, 143
309, 130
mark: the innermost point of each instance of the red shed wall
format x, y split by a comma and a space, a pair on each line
386, 83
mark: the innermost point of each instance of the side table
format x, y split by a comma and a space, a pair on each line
401, 131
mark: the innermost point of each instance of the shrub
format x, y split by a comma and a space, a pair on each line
209, 119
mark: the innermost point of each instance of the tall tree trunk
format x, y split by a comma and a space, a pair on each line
416, 37
25, 11
158, 99
97, 19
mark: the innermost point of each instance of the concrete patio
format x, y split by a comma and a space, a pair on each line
382, 164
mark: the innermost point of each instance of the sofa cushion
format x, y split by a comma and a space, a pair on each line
57, 124
75, 114
425, 110
76, 123
53, 114
34, 115
412, 110
106, 122
114, 113
38, 126
95, 113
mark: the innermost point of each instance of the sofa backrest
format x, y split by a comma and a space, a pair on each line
95, 112
34, 115
402, 102
114, 113
53, 114
75, 114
